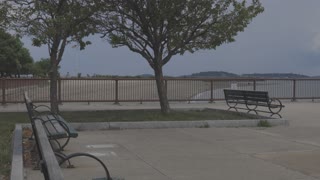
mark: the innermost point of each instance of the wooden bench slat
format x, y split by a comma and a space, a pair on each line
55, 130
72, 131
47, 154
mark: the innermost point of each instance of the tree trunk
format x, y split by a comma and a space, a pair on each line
54, 86
162, 90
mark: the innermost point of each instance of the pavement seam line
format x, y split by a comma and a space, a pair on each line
275, 135
149, 164
283, 166
250, 155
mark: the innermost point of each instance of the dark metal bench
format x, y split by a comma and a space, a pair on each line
49, 164
46, 127
56, 127
252, 100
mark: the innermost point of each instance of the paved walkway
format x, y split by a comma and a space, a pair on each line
278, 153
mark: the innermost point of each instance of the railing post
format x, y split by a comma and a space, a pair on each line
211, 91
116, 101
59, 91
166, 87
254, 84
294, 90
3, 82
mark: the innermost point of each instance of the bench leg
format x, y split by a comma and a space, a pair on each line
233, 108
62, 157
31, 136
61, 146
65, 143
57, 144
253, 111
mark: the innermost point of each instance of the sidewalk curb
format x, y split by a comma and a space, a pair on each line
176, 124
17, 172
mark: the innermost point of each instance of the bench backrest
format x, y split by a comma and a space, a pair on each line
257, 96
29, 105
48, 162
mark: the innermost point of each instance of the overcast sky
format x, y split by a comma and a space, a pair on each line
285, 38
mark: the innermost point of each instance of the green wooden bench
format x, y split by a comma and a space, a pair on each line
47, 126
252, 100
55, 126
49, 164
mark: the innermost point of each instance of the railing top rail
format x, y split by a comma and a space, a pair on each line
15, 79
172, 78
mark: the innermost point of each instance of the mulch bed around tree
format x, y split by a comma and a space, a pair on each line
30, 155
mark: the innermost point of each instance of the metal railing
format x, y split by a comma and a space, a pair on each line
142, 90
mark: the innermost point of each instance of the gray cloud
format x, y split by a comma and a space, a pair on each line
285, 38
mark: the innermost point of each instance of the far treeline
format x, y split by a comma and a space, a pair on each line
15, 60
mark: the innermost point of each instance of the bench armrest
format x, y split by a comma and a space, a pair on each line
62, 123
275, 101
47, 109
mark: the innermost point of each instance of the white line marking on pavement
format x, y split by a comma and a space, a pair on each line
99, 146
108, 154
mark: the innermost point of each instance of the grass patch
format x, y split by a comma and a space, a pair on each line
9, 119
264, 123
153, 115
7, 124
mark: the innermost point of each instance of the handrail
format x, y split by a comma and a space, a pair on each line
120, 90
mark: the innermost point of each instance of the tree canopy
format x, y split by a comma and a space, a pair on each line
3, 13
14, 58
55, 23
160, 29
170, 27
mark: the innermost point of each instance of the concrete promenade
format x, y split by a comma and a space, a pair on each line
277, 153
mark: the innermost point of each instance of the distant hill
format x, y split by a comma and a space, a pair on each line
218, 74
208, 74
145, 75
275, 75
223, 74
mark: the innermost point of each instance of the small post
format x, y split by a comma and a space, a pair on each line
3, 82
166, 86
59, 91
254, 84
211, 91
116, 101
294, 90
